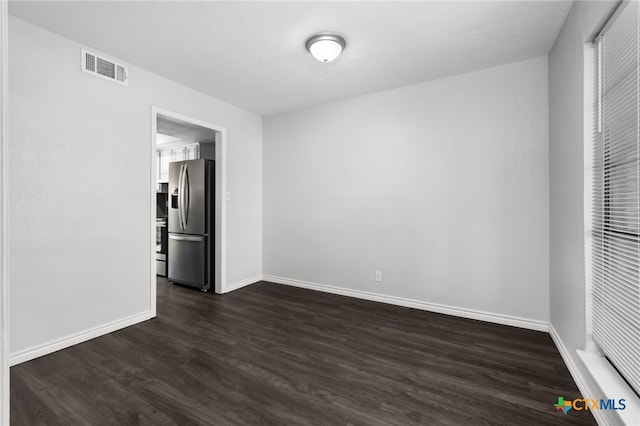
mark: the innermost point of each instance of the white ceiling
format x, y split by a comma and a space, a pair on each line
252, 54
179, 130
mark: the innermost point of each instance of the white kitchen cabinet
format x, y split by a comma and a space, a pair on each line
180, 153
164, 158
193, 151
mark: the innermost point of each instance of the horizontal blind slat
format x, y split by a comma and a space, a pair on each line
615, 239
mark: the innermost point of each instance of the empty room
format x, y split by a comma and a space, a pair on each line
320, 212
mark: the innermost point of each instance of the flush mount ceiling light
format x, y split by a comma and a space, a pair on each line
325, 47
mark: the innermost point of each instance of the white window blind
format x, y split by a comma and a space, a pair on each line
616, 197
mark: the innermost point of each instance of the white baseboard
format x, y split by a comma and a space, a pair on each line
416, 304
581, 382
65, 342
242, 283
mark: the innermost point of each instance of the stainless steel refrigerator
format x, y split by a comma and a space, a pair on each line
192, 223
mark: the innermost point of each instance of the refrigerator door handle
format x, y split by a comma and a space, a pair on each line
183, 198
187, 195
180, 197
185, 238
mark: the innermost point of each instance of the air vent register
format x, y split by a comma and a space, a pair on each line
99, 66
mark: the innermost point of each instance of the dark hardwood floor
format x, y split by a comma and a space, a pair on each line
276, 355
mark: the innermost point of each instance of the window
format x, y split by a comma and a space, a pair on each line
616, 194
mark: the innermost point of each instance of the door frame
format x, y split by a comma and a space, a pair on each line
4, 274
220, 249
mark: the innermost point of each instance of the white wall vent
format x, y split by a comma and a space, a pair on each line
99, 66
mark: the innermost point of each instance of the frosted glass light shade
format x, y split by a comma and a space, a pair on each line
325, 47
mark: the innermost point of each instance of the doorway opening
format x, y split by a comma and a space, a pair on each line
178, 138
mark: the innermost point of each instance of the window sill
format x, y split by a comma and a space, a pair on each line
612, 386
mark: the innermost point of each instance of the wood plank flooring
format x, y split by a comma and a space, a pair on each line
274, 355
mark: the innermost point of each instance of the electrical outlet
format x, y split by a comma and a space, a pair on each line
377, 276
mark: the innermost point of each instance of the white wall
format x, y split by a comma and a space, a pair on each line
4, 286
567, 168
79, 191
443, 186
566, 148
